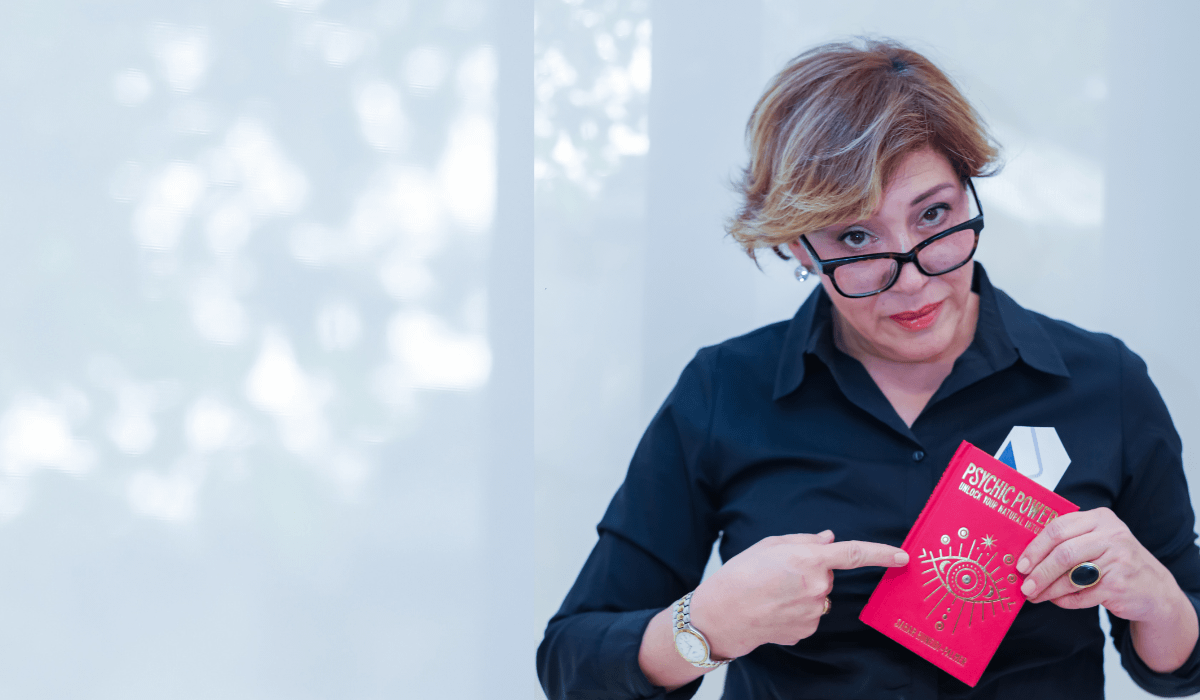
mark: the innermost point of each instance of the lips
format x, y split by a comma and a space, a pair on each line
920, 319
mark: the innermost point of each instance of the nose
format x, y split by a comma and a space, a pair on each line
911, 280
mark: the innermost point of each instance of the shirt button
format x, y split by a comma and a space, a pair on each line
918, 456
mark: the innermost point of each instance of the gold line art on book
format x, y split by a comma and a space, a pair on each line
965, 582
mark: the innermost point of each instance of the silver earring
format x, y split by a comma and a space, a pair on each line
802, 273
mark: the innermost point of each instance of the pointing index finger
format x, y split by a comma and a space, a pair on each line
824, 537
852, 554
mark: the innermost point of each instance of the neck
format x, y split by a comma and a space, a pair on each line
908, 384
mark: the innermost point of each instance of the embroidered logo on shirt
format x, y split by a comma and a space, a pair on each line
1035, 452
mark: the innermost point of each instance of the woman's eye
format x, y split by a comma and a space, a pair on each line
934, 214
855, 239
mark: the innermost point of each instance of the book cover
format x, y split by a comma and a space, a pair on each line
960, 592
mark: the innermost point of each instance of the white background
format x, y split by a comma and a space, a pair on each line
265, 349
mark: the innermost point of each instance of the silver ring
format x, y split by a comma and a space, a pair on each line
1085, 575
827, 607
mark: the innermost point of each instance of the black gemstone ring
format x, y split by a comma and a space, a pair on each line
1085, 575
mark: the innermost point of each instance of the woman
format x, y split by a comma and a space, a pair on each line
840, 422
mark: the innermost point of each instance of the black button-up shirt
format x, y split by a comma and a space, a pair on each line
779, 432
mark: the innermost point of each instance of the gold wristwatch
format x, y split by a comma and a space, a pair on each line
689, 642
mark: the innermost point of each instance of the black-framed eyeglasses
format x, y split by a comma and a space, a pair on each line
866, 275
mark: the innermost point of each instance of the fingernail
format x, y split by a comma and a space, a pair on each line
901, 558
1023, 565
1028, 588
827, 534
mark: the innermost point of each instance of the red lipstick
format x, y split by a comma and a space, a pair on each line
920, 319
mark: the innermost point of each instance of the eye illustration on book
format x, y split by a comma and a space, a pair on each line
965, 583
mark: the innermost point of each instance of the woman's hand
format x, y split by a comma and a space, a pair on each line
775, 590
1134, 584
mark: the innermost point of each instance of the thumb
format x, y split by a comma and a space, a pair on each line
853, 554
805, 538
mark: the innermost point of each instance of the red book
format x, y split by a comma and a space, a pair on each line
961, 591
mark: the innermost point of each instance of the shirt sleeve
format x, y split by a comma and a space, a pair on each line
655, 539
1155, 504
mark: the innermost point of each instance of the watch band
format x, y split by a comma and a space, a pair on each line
683, 625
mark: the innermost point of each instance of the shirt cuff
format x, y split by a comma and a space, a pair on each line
620, 650
1183, 681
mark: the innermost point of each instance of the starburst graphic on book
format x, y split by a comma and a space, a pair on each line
966, 585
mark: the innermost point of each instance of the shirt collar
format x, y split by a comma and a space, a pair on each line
1004, 332
1023, 328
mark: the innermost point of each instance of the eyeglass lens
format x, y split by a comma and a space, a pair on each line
867, 276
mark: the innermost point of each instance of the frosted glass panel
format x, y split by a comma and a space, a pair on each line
243, 404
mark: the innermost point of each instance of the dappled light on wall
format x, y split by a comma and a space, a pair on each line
247, 341
591, 89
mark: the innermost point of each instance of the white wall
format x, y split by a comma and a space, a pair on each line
265, 349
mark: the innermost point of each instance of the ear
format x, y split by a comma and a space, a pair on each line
800, 255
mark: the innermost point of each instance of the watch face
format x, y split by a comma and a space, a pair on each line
690, 647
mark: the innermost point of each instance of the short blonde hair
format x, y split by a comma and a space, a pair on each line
831, 129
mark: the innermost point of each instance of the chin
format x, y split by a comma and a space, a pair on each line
924, 346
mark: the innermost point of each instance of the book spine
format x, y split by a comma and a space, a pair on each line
937, 490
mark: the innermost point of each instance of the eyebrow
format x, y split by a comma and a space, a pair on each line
930, 192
